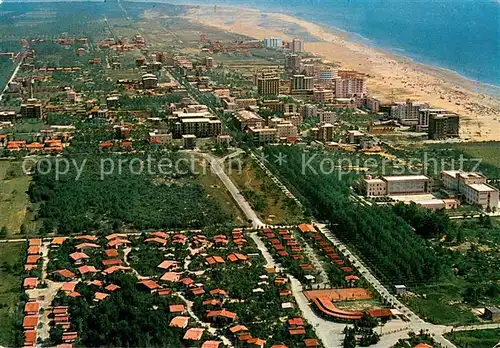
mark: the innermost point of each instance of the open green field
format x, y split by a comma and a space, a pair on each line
14, 201
216, 190
475, 339
265, 197
488, 152
11, 268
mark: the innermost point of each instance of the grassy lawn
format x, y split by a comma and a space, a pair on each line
441, 304
11, 269
265, 197
216, 189
475, 339
487, 151
14, 201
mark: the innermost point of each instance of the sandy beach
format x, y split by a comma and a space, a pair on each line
390, 77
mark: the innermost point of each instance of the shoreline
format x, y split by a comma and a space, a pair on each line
390, 77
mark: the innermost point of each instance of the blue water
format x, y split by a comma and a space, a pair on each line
459, 35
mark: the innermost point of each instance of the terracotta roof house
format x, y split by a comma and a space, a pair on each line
116, 243
423, 345
88, 237
211, 344
194, 334
237, 257
156, 240
212, 302
57, 241
149, 284
69, 336
177, 308
111, 287
33, 250
222, 314
35, 242
87, 269
159, 234
30, 322
212, 260
68, 287
95, 282
306, 228
187, 281
179, 321
64, 273
99, 296
167, 264
114, 269
238, 328
279, 346
164, 292
116, 235
112, 262
111, 253
78, 257
311, 342
30, 337
32, 259
296, 331
87, 245
220, 292
30, 283
258, 342
295, 322
171, 277
31, 308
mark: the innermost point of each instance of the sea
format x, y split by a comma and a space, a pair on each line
462, 36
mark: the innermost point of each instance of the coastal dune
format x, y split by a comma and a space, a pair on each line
389, 77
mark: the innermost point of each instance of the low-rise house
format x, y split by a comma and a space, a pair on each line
180, 322
194, 334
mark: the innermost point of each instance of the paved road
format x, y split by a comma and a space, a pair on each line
216, 168
13, 75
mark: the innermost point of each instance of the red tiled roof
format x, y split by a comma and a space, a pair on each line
69, 286
30, 337
33, 250
179, 321
32, 259
65, 273
111, 253
87, 245
30, 321
297, 331
305, 228
177, 308
167, 264
156, 240
194, 334
224, 313
171, 277
87, 237
78, 256
296, 322
31, 282
150, 284
35, 242
87, 269
112, 287
95, 282
256, 342
238, 328
111, 262
218, 292
114, 269
311, 342
31, 307
99, 296
211, 344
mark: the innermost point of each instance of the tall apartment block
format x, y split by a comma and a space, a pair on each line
268, 84
273, 42
297, 46
442, 126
